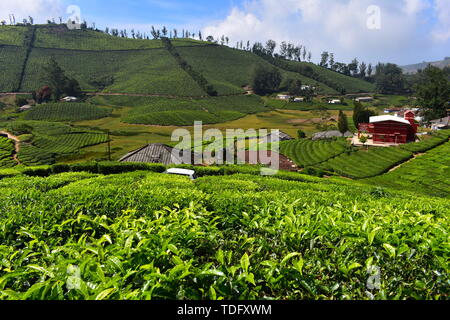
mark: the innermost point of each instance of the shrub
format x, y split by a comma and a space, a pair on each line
43, 171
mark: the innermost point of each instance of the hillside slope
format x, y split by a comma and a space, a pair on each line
137, 65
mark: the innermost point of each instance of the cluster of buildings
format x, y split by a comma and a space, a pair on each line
65, 99
287, 97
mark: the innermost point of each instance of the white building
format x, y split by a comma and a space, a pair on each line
25, 108
364, 99
69, 99
284, 97
335, 101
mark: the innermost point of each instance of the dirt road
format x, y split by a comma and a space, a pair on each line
16, 143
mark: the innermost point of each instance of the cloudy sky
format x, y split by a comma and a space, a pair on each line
399, 31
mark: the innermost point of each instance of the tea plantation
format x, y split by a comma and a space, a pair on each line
138, 66
43, 142
169, 111
6, 153
145, 235
307, 153
66, 112
427, 174
62, 38
366, 163
139, 71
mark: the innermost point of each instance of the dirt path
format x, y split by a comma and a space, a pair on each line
135, 95
16, 143
403, 163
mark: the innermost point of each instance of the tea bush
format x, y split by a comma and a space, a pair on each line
144, 235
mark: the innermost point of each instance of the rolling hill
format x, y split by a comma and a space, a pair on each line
413, 68
137, 66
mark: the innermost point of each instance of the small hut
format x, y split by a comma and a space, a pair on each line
160, 153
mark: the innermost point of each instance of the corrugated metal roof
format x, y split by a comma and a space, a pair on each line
282, 137
158, 153
331, 134
388, 118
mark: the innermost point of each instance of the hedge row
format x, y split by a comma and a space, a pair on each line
93, 167
196, 76
108, 168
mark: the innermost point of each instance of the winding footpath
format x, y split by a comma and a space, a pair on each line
16, 143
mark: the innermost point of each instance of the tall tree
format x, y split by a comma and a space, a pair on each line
295, 87
270, 47
342, 123
370, 70
389, 79
353, 67
324, 59
362, 70
433, 92
283, 49
361, 114
266, 80
59, 83
332, 62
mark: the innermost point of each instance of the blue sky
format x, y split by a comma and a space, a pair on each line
410, 31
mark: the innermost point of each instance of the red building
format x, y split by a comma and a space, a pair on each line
390, 129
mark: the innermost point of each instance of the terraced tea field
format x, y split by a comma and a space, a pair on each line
66, 112
183, 112
145, 71
42, 143
306, 153
12, 35
6, 153
366, 164
428, 142
62, 38
228, 70
11, 63
427, 174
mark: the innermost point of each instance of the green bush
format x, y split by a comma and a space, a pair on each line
43, 171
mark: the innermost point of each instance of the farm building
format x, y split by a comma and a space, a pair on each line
25, 108
440, 124
299, 99
334, 101
281, 136
391, 129
331, 134
284, 97
69, 99
364, 99
159, 153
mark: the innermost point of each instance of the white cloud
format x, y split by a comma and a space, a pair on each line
412, 7
442, 31
339, 26
40, 10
